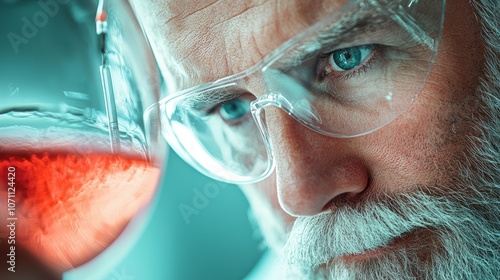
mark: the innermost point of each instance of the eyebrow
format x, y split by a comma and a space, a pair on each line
352, 25
215, 95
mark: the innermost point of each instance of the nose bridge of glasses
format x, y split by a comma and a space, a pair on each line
271, 99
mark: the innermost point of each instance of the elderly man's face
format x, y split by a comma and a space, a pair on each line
408, 200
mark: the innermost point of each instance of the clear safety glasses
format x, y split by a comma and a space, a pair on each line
347, 75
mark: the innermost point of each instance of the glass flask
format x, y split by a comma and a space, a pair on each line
80, 148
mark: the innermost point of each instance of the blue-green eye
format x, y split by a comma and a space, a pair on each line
349, 58
234, 109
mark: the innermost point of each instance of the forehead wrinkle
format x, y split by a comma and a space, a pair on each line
211, 15
185, 13
244, 37
205, 43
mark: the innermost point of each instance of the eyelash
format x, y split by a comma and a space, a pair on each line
324, 67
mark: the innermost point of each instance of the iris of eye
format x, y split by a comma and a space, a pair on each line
234, 109
347, 59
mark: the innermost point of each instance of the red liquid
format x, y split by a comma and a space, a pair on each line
70, 207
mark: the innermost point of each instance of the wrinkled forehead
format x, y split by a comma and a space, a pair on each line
201, 41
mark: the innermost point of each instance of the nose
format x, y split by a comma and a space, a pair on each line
313, 171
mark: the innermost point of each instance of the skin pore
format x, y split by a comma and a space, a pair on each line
399, 198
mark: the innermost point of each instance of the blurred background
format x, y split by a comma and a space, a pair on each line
195, 228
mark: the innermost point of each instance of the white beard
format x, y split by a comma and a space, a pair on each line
464, 240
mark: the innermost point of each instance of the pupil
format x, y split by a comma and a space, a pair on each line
347, 59
233, 110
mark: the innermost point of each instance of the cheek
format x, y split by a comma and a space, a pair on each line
425, 145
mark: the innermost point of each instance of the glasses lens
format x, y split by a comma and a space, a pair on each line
346, 76
358, 72
215, 132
